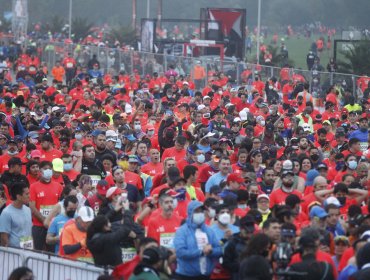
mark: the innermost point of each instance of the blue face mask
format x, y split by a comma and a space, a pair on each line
352, 164
68, 166
47, 174
339, 165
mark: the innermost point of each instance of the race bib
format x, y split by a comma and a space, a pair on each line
86, 259
364, 146
95, 179
166, 239
128, 254
45, 210
26, 243
69, 65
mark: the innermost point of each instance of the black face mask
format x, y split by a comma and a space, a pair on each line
253, 197
70, 213
315, 157
342, 200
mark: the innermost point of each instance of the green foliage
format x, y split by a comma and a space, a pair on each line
80, 28
356, 59
55, 24
123, 34
6, 25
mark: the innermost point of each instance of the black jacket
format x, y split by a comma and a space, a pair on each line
9, 179
232, 252
104, 246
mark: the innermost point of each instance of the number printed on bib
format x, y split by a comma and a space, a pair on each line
166, 239
128, 254
26, 243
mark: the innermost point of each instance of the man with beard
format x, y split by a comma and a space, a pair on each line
303, 146
268, 180
91, 165
279, 195
362, 132
11, 152
14, 174
101, 146
237, 244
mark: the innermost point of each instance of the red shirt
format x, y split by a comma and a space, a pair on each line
163, 230
278, 196
152, 169
50, 155
72, 174
45, 196
173, 152
126, 269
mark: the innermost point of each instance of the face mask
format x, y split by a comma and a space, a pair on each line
242, 206
34, 141
352, 164
271, 87
78, 137
315, 157
169, 95
70, 214
212, 213
137, 127
198, 218
68, 166
12, 153
270, 111
47, 174
339, 165
342, 200
175, 203
252, 197
150, 133
201, 158
263, 123
224, 218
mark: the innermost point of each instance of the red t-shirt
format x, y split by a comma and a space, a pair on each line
152, 169
173, 152
163, 230
45, 196
50, 155
278, 196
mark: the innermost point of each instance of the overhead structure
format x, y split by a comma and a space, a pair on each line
19, 20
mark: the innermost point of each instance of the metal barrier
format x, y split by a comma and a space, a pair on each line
46, 266
113, 60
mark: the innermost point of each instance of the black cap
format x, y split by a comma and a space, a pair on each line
47, 137
151, 256
307, 242
247, 223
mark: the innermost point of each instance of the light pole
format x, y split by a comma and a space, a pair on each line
70, 19
147, 8
258, 31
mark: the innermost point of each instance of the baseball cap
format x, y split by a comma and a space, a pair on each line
363, 116
36, 154
201, 107
317, 211
263, 196
326, 122
310, 177
331, 200
58, 165
205, 97
341, 239
133, 159
287, 172
322, 166
111, 133
86, 214
152, 255
307, 241
129, 137
54, 109
287, 164
47, 137
113, 191
233, 177
102, 187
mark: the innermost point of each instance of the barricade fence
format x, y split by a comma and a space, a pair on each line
113, 60
46, 266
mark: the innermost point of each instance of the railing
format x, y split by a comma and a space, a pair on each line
113, 60
46, 266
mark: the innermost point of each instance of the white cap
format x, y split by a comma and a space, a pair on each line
243, 115
86, 214
55, 108
185, 83
128, 108
288, 164
209, 134
111, 133
237, 119
263, 196
332, 200
233, 90
260, 118
228, 105
201, 107
205, 97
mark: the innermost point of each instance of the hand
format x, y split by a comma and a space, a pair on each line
207, 249
83, 242
132, 235
119, 205
228, 234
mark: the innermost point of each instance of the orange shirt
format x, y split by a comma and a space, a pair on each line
45, 196
72, 235
58, 73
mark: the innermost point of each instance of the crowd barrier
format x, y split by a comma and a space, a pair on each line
114, 60
45, 266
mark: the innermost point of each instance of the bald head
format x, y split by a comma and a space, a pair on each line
320, 183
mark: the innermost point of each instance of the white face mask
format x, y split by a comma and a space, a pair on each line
201, 158
212, 213
47, 174
78, 137
137, 127
150, 133
224, 218
263, 123
198, 218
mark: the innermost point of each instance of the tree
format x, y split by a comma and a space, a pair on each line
5, 25
356, 60
122, 34
80, 28
55, 24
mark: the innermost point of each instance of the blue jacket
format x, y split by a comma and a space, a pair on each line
187, 252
